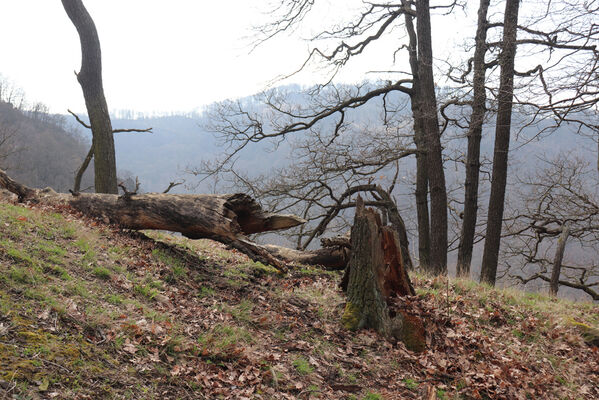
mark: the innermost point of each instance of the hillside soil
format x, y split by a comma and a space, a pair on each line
88, 310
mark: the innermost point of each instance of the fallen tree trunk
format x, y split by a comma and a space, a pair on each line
225, 218
331, 258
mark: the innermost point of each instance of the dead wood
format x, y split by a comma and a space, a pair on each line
374, 276
226, 218
331, 258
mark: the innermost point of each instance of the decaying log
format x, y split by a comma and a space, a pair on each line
337, 241
226, 218
23, 192
375, 275
331, 258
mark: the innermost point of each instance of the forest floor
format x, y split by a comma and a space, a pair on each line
89, 311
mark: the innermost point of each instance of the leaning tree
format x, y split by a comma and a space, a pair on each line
90, 79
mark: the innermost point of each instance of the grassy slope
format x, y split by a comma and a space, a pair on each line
87, 311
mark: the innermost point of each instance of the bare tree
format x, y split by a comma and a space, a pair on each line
240, 126
559, 258
478, 105
11, 94
502, 143
8, 146
90, 153
559, 92
90, 79
553, 88
563, 194
322, 180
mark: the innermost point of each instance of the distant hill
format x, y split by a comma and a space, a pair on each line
182, 141
39, 149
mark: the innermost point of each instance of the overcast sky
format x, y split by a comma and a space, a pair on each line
158, 55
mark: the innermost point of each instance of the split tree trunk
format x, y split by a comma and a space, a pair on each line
90, 79
376, 274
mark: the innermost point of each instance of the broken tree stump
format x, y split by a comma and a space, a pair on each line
376, 274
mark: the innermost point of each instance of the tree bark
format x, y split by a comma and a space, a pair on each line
557, 264
225, 218
422, 215
502, 144
430, 123
23, 192
398, 225
81, 170
331, 258
376, 273
90, 79
474, 137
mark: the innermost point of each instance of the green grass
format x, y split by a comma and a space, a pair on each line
20, 256
114, 299
58, 271
410, 383
78, 288
221, 342
302, 366
206, 291
102, 273
372, 396
146, 291
24, 275
242, 311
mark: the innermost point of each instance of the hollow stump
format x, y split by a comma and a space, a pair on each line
374, 275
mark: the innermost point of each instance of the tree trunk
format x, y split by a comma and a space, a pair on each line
430, 124
331, 258
90, 79
502, 144
398, 225
422, 215
81, 170
474, 137
557, 263
226, 218
375, 274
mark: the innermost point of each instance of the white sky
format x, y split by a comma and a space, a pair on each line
158, 55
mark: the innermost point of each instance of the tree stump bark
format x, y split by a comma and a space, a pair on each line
374, 275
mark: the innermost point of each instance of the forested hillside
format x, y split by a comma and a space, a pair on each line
40, 149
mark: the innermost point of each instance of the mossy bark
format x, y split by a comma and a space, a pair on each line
375, 273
